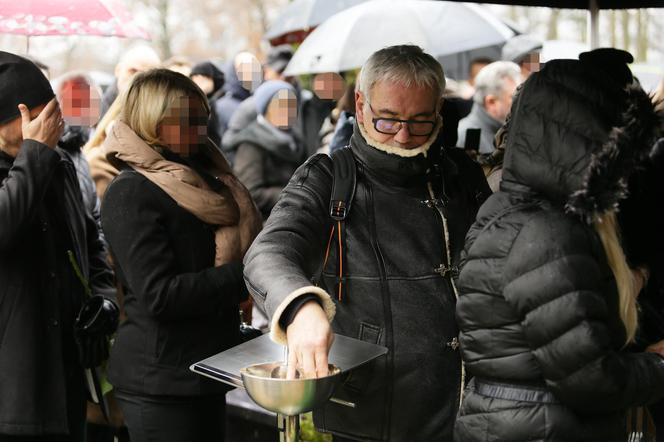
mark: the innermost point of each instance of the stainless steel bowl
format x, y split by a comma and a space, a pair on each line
266, 385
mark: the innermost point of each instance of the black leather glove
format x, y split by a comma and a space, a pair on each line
96, 322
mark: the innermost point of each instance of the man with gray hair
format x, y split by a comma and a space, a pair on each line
494, 86
384, 271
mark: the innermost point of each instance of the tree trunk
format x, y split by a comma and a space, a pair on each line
165, 38
642, 35
612, 28
552, 34
625, 29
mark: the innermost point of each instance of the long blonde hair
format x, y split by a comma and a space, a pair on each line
150, 96
659, 97
607, 228
97, 139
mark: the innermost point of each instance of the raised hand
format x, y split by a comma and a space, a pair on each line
46, 128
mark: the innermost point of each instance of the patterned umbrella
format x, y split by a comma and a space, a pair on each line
67, 17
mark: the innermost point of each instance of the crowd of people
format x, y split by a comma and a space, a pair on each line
504, 246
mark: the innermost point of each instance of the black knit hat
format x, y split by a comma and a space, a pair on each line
21, 81
209, 69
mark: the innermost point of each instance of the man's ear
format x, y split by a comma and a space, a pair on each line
490, 102
359, 106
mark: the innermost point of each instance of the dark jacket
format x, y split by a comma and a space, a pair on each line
72, 143
180, 308
538, 303
311, 114
392, 295
42, 216
479, 119
265, 160
225, 107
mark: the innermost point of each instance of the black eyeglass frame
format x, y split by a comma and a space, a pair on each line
401, 123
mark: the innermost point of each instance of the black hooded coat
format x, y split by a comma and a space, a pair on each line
538, 305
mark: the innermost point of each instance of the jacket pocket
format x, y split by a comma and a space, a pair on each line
358, 379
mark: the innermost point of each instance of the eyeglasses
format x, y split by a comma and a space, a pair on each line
391, 126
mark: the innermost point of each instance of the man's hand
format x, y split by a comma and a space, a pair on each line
47, 128
309, 340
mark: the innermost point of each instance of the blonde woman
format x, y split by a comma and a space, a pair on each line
546, 298
178, 224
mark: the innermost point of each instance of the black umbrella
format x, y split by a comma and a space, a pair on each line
593, 7
582, 4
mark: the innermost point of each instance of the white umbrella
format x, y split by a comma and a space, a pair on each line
347, 39
300, 16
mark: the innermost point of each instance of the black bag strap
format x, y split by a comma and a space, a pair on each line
343, 187
341, 199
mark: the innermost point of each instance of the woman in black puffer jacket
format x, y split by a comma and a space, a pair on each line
547, 300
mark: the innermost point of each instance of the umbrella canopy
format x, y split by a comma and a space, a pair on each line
347, 39
593, 7
67, 17
300, 17
579, 4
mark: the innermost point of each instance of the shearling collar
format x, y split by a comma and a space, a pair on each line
391, 165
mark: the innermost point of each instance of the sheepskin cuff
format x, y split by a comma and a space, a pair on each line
277, 333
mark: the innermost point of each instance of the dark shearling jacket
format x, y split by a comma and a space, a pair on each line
41, 217
538, 311
392, 293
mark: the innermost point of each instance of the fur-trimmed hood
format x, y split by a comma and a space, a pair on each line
576, 133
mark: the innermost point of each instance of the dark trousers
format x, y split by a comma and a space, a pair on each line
173, 419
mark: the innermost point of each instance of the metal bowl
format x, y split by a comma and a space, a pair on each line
266, 385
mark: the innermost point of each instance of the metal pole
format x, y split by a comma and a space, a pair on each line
593, 23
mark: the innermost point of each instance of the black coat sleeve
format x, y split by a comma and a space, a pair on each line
137, 235
101, 275
557, 286
23, 189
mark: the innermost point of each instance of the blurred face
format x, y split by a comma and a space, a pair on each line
389, 101
530, 64
11, 133
80, 103
282, 110
204, 82
475, 68
248, 70
184, 127
329, 86
499, 106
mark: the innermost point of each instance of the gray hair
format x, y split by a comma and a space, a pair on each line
491, 79
74, 76
404, 64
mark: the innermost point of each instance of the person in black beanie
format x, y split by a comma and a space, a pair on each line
51, 259
210, 79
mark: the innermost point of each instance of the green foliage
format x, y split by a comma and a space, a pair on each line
308, 433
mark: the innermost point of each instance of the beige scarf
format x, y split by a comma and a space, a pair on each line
231, 209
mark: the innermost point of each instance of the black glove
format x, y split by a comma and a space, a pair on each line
96, 322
